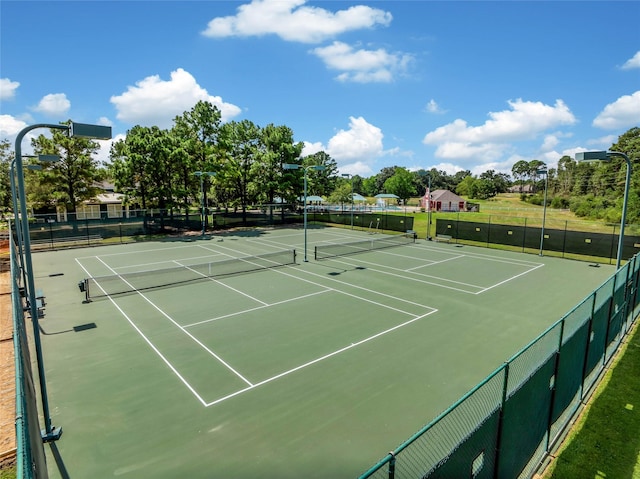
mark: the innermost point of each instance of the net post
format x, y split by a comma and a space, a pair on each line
315, 253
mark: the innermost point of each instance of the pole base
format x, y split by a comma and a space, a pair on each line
52, 436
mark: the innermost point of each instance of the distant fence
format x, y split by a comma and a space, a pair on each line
48, 232
30, 457
527, 236
506, 425
378, 222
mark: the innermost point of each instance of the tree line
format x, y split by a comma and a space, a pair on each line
156, 168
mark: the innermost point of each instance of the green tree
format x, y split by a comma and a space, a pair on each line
401, 184
277, 148
71, 180
6, 157
196, 135
240, 144
520, 171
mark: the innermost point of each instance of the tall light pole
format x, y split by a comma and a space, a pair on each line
606, 156
77, 130
14, 197
429, 208
544, 210
292, 166
202, 174
350, 176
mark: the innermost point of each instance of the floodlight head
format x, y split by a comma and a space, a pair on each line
93, 132
541, 172
346, 175
593, 156
204, 173
290, 166
48, 158
318, 167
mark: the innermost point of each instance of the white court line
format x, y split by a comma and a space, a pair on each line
377, 293
221, 283
151, 345
509, 279
253, 386
519, 262
196, 340
404, 271
142, 265
256, 308
431, 263
317, 360
137, 253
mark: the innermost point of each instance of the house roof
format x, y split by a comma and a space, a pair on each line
445, 195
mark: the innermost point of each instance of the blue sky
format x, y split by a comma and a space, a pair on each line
453, 85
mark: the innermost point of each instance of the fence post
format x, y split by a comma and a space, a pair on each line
613, 242
392, 466
586, 350
496, 461
555, 382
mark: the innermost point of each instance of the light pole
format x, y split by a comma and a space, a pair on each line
292, 166
77, 130
429, 208
202, 174
14, 197
606, 156
350, 176
544, 210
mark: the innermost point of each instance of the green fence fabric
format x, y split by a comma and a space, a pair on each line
30, 457
527, 236
505, 427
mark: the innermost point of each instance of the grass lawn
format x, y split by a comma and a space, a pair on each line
605, 442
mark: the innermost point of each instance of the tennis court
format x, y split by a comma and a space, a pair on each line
222, 357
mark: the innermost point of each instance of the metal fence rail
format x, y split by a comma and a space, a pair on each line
506, 426
30, 458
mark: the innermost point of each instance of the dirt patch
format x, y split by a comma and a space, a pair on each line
7, 376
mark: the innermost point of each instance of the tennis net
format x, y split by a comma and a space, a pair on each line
102, 286
361, 246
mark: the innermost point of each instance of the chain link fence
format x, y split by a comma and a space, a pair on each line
506, 426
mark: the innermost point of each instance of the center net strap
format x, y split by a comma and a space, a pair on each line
342, 249
102, 286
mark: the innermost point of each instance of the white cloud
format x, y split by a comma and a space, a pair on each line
622, 113
10, 126
292, 21
312, 148
433, 107
488, 142
358, 168
448, 168
157, 102
8, 89
550, 142
104, 121
362, 66
53, 104
361, 142
102, 155
633, 62
605, 141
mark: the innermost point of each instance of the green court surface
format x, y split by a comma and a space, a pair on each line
314, 370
